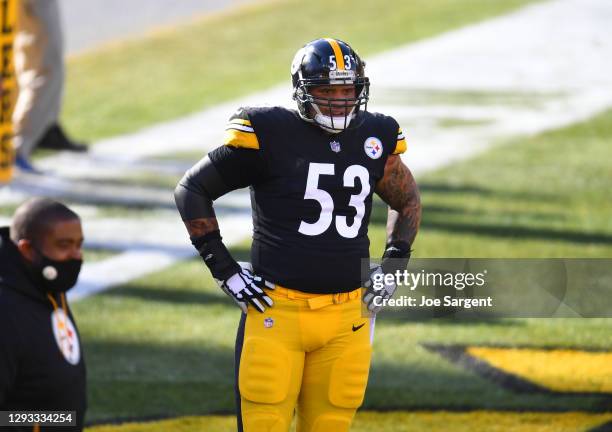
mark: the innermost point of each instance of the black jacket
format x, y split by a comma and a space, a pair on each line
35, 375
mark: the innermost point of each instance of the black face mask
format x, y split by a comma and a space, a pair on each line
56, 276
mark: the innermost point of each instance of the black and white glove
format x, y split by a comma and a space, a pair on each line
377, 290
246, 288
235, 279
379, 286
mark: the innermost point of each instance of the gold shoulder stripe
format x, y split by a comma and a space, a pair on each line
400, 147
337, 52
240, 121
241, 139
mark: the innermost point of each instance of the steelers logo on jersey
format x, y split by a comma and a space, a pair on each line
66, 336
373, 147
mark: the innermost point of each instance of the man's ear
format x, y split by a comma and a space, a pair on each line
26, 249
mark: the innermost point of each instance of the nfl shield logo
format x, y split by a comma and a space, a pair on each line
335, 146
268, 322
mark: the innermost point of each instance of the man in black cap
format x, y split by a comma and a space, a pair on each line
41, 360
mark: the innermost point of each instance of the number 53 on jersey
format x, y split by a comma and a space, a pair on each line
326, 217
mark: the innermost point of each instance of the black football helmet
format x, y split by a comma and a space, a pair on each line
325, 62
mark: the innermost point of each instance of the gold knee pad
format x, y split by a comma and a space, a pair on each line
349, 378
265, 369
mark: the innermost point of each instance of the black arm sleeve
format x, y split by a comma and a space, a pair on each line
223, 170
197, 189
239, 167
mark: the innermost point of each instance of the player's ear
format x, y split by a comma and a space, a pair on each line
26, 249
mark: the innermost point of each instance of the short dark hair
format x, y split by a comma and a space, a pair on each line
33, 218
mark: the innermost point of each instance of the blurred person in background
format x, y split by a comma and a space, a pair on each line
41, 360
39, 67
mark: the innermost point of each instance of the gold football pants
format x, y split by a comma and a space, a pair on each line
309, 353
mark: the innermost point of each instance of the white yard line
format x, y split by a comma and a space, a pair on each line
560, 47
147, 245
143, 257
556, 55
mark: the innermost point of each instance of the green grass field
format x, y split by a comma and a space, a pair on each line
167, 347
126, 86
162, 346
490, 206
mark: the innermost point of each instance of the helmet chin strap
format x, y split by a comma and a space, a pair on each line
332, 124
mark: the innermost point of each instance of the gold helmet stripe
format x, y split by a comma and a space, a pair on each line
337, 52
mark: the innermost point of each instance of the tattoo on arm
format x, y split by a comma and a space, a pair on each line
199, 227
399, 190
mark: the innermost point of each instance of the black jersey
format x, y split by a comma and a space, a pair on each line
311, 192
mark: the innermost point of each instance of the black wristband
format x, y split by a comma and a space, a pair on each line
215, 255
397, 249
199, 242
396, 257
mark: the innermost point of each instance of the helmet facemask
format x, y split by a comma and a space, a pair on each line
332, 114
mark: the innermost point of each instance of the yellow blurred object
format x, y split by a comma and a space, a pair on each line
562, 370
399, 421
8, 87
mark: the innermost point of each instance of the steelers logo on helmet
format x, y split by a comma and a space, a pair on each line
316, 69
373, 147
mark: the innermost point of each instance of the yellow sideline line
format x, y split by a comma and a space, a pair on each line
400, 421
563, 370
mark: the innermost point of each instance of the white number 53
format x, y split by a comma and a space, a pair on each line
315, 170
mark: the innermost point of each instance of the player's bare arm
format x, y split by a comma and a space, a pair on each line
201, 226
399, 190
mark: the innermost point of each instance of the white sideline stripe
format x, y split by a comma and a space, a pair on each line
155, 251
120, 269
132, 264
526, 51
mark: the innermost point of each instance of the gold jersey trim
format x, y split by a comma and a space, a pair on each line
400, 146
239, 138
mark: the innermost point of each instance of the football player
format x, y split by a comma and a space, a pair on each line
304, 340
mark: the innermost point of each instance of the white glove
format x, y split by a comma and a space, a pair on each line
244, 287
377, 292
